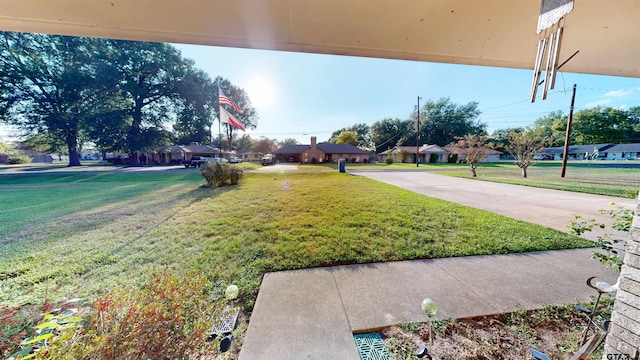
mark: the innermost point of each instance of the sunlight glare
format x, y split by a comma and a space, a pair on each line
260, 91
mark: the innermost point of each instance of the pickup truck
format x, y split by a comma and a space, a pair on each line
268, 160
195, 161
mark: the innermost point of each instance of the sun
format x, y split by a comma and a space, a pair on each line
260, 91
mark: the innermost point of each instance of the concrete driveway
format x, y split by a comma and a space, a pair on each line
550, 208
279, 167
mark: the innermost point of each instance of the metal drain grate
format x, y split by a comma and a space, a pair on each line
226, 322
371, 347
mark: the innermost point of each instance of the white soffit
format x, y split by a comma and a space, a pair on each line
491, 32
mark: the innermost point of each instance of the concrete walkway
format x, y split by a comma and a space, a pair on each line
312, 313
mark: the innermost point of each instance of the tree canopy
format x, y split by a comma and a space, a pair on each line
347, 137
443, 121
124, 96
362, 134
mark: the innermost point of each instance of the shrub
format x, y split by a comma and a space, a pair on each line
219, 174
169, 318
235, 174
613, 245
434, 158
388, 160
18, 332
19, 160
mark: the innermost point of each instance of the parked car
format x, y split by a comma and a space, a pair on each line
195, 161
217, 160
235, 160
268, 160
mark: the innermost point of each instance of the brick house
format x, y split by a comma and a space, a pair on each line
323, 152
407, 154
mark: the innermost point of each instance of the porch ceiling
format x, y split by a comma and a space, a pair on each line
491, 32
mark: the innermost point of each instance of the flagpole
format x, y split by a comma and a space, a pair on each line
219, 132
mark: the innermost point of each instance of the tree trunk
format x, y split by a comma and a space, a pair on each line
134, 132
133, 159
72, 146
473, 171
524, 172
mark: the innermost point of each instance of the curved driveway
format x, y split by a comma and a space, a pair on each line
550, 208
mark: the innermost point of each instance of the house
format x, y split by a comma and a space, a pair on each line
407, 154
621, 152
176, 153
594, 152
248, 155
493, 155
323, 152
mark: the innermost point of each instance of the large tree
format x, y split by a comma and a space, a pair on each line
604, 125
362, 132
347, 137
288, 141
195, 111
48, 84
500, 138
442, 121
554, 126
244, 142
388, 133
149, 78
263, 145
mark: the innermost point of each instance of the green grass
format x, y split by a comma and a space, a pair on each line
84, 234
619, 182
601, 178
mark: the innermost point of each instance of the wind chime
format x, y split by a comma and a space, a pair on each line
550, 26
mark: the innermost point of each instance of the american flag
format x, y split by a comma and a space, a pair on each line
224, 99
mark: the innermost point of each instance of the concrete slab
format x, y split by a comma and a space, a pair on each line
379, 295
299, 315
384, 294
312, 313
528, 281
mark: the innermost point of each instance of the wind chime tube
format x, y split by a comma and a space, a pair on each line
548, 71
556, 56
536, 69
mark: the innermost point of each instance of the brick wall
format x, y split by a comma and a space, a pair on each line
624, 334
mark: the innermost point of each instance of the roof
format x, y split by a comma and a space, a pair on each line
624, 148
292, 149
329, 148
489, 151
489, 33
201, 149
433, 149
576, 149
424, 149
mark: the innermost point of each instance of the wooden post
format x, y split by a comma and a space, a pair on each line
568, 134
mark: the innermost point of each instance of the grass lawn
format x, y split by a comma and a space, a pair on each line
603, 178
82, 234
620, 182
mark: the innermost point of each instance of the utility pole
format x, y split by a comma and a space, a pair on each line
568, 134
418, 136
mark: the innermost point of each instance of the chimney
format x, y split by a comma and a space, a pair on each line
313, 143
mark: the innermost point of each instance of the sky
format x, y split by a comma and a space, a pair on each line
299, 95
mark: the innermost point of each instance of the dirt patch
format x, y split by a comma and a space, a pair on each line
554, 330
